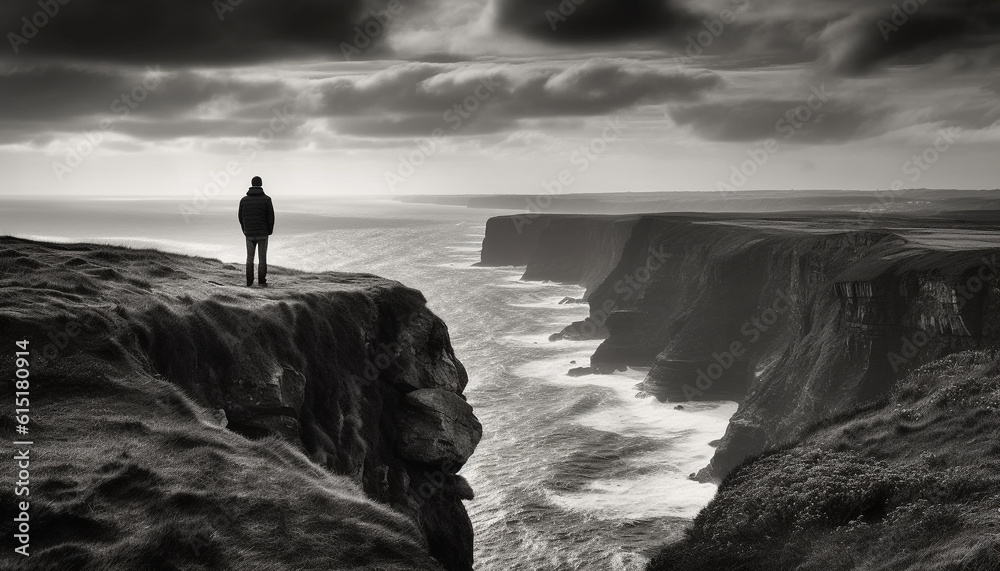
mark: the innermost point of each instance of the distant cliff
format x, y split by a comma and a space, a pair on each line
796, 317
563, 248
346, 384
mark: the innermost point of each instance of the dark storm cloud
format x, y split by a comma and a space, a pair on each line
184, 31
592, 20
854, 36
912, 32
58, 93
805, 121
44, 103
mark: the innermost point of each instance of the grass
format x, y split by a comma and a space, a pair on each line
132, 476
912, 483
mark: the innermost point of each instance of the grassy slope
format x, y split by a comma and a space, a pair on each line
129, 473
912, 482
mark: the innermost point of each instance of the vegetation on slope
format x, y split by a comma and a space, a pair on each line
911, 482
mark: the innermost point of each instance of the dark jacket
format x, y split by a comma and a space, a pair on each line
256, 213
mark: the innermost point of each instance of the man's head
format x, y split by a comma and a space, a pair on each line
256, 181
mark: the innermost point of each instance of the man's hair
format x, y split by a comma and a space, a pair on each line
256, 181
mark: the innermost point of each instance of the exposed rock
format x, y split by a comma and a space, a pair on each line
437, 427
218, 416
464, 489
580, 371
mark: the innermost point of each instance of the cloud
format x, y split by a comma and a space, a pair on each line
41, 104
58, 92
419, 97
750, 120
187, 31
849, 36
909, 33
402, 100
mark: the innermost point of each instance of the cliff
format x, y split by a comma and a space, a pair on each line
570, 249
565, 248
181, 420
908, 482
794, 316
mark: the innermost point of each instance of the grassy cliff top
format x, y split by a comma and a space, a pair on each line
128, 470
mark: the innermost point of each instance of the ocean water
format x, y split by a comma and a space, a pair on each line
572, 473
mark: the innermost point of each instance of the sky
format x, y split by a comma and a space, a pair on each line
190, 98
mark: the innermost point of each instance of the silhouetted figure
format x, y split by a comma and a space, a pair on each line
257, 220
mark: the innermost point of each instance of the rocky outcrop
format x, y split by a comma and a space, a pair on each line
438, 427
351, 370
794, 317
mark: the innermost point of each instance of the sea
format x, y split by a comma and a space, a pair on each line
572, 473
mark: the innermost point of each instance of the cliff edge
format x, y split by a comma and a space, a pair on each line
181, 420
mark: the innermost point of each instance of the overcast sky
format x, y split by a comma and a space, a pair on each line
161, 97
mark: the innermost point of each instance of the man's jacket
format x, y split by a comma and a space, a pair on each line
256, 213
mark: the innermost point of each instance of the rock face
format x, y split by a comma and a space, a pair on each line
794, 317
564, 248
438, 427
352, 370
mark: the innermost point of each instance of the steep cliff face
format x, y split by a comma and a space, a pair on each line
565, 248
793, 317
352, 372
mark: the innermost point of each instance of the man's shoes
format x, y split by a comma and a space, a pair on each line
249, 284
262, 284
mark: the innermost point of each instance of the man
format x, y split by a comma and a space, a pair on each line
257, 220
